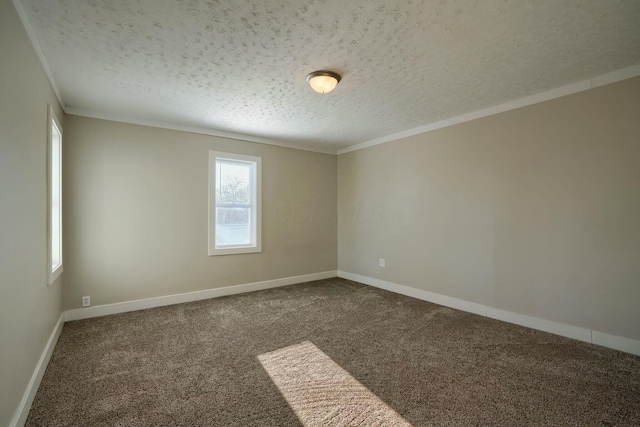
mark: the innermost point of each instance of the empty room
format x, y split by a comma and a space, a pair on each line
319, 213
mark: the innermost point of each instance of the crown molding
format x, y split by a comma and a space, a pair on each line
36, 46
84, 112
604, 79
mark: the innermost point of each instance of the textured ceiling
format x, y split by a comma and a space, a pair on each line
240, 65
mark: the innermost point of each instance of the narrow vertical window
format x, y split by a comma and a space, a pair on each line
234, 204
55, 196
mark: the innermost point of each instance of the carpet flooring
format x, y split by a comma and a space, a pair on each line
321, 393
201, 364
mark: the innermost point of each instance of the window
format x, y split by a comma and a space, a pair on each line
234, 204
54, 178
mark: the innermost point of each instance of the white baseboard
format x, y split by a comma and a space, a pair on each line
618, 343
557, 328
21, 414
123, 307
582, 334
439, 299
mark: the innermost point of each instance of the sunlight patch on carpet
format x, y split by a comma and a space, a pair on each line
321, 393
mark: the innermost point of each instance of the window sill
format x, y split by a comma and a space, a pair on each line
235, 251
55, 274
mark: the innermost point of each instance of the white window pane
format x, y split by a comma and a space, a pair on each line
234, 209
233, 203
233, 183
55, 198
233, 226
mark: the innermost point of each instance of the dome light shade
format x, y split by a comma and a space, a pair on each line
323, 81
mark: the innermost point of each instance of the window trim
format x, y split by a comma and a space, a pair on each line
256, 214
52, 120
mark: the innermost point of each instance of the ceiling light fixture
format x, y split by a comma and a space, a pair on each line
323, 81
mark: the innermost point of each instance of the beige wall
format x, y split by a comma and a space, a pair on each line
29, 309
136, 213
534, 211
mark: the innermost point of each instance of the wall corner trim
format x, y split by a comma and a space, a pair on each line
141, 304
21, 414
578, 333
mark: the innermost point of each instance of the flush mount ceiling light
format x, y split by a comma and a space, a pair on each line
323, 81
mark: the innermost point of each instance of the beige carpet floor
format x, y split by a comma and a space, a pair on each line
232, 362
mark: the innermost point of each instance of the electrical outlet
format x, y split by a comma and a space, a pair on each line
382, 262
86, 301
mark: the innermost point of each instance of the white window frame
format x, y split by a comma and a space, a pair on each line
54, 163
256, 202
